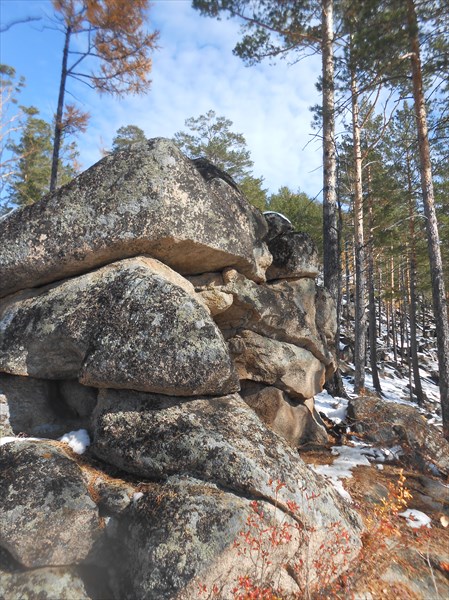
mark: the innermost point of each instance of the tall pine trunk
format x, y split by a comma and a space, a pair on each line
331, 255
393, 310
59, 113
371, 298
412, 286
360, 287
436, 267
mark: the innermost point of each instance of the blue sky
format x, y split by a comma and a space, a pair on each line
193, 71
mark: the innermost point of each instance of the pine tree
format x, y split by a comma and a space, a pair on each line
110, 34
127, 135
33, 153
210, 136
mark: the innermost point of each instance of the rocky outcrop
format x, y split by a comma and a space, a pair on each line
135, 305
47, 516
389, 423
291, 369
148, 199
124, 325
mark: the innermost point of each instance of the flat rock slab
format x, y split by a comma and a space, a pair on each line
285, 366
390, 423
46, 514
132, 324
148, 199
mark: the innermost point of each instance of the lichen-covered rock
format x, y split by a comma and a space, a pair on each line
326, 315
295, 422
278, 224
294, 255
148, 199
390, 423
285, 366
132, 324
46, 514
283, 311
218, 440
180, 537
55, 583
35, 407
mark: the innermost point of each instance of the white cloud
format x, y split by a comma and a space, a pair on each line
195, 71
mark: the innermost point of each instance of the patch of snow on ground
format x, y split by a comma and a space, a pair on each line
348, 457
77, 440
334, 408
416, 518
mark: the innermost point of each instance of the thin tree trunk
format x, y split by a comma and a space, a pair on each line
371, 298
412, 286
433, 240
393, 311
379, 300
387, 325
330, 225
403, 312
347, 280
59, 113
331, 262
406, 311
360, 287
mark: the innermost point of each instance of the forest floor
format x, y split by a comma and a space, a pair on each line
398, 562
402, 558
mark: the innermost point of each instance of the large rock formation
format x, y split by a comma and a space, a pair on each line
166, 317
149, 199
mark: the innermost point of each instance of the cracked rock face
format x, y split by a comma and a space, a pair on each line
131, 324
182, 535
219, 440
148, 199
47, 516
218, 457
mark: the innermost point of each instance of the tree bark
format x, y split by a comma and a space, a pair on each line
371, 298
412, 286
393, 311
331, 262
330, 224
433, 241
59, 113
360, 287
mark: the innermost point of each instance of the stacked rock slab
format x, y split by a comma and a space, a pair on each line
135, 303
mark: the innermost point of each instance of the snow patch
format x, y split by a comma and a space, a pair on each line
137, 496
335, 409
77, 440
416, 518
